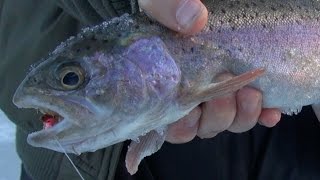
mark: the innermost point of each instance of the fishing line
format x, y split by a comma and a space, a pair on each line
74, 166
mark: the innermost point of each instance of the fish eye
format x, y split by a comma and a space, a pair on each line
71, 77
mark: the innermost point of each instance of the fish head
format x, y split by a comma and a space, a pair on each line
99, 91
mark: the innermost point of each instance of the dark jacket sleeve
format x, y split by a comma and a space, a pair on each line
29, 30
92, 11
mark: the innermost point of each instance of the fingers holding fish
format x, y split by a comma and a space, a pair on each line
236, 112
217, 115
185, 16
185, 129
269, 117
249, 103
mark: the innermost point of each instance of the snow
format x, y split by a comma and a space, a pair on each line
9, 160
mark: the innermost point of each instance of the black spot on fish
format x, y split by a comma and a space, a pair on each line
273, 8
137, 26
88, 47
291, 8
281, 5
151, 22
254, 4
223, 11
246, 5
191, 49
35, 80
93, 38
78, 50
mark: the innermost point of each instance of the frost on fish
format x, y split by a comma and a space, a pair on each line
128, 77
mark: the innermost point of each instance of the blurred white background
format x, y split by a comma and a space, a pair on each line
9, 160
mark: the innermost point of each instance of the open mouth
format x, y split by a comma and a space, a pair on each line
49, 118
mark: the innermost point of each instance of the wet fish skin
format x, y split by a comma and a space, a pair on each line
140, 76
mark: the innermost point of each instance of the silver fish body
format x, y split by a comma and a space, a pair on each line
127, 77
280, 36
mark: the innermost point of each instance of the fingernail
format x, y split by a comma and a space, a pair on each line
187, 13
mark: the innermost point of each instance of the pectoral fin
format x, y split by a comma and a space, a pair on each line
215, 90
147, 145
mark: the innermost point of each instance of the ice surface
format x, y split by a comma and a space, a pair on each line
9, 160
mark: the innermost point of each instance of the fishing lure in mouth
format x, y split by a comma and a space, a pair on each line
49, 120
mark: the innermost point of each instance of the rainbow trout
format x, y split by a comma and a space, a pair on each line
130, 77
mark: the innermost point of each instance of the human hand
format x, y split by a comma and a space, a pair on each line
237, 112
184, 16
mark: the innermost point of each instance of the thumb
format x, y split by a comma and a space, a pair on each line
185, 16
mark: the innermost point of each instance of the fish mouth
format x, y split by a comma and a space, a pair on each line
54, 123
49, 118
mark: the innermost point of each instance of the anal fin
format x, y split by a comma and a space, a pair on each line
147, 145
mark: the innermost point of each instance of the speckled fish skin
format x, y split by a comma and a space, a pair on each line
281, 36
122, 99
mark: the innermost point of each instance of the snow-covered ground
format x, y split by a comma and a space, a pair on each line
9, 160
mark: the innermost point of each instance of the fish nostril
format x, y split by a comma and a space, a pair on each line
34, 80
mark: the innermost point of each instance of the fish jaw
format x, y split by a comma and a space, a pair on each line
103, 136
68, 132
46, 136
70, 129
